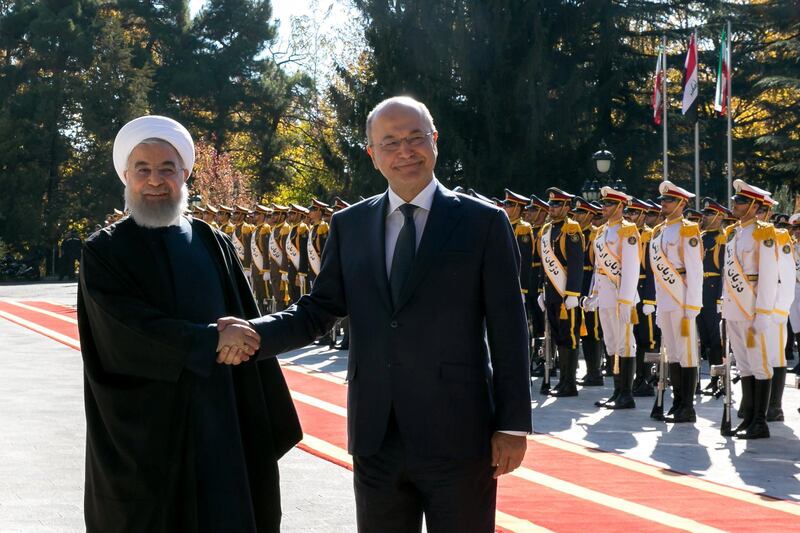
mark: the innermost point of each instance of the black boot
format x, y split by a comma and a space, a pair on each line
627, 368
642, 385
758, 428
617, 384
746, 406
775, 409
675, 381
686, 411
712, 388
569, 367
592, 353
563, 358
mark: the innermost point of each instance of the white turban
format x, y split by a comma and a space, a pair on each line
152, 127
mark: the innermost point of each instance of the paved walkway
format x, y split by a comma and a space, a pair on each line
41, 445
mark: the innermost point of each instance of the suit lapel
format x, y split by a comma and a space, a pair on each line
376, 244
440, 224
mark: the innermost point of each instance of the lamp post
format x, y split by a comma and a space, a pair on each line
195, 200
602, 159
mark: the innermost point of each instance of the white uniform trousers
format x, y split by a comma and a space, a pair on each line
618, 337
776, 344
679, 349
754, 361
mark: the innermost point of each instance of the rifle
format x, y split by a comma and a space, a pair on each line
658, 407
724, 371
548, 355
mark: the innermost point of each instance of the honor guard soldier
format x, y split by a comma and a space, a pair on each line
613, 293
224, 214
591, 340
339, 204
278, 262
537, 210
693, 215
513, 205
713, 239
259, 249
241, 239
211, 216
777, 340
676, 255
654, 217
647, 335
297, 252
750, 286
561, 249
317, 235
794, 313
198, 212
479, 196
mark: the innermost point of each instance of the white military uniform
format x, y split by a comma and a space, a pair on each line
677, 259
616, 275
794, 310
750, 286
785, 297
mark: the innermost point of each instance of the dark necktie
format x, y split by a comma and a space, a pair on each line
404, 252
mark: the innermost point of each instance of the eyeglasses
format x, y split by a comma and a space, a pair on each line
668, 200
558, 204
413, 140
608, 203
741, 200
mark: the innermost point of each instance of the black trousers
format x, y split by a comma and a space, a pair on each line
646, 333
708, 322
564, 332
394, 488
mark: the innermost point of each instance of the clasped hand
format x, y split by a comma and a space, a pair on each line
238, 341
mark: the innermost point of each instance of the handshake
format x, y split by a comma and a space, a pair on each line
238, 341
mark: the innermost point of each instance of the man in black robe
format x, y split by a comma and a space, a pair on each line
175, 441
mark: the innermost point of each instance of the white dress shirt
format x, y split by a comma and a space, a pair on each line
395, 221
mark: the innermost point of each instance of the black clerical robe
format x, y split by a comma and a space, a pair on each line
157, 405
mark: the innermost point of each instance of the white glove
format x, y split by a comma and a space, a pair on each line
571, 302
719, 308
540, 301
761, 323
779, 318
691, 314
648, 309
624, 313
590, 303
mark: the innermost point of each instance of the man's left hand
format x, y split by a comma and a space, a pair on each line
507, 452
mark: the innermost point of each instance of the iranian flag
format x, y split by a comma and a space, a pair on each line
723, 76
690, 89
658, 88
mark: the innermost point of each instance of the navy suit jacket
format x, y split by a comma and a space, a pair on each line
451, 357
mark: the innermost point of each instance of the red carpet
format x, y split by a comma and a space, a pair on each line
560, 487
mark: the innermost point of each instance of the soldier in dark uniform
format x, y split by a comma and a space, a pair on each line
653, 216
210, 216
513, 206
709, 319
296, 252
645, 330
693, 215
561, 247
781, 221
344, 324
241, 239
536, 212
591, 343
317, 235
279, 275
223, 219
259, 251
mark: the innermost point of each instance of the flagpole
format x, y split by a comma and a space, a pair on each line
728, 97
664, 102
696, 143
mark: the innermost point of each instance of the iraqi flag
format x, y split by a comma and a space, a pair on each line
658, 88
690, 87
723, 76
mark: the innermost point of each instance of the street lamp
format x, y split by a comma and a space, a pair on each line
195, 200
602, 160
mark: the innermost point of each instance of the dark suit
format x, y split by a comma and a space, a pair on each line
421, 367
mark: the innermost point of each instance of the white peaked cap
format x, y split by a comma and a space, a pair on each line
794, 219
667, 188
613, 194
152, 127
750, 191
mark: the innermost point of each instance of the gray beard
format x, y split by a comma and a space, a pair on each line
159, 214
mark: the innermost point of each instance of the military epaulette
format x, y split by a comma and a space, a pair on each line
782, 237
593, 232
627, 229
302, 228
570, 227
286, 229
689, 229
764, 231
722, 238
322, 229
522, 228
